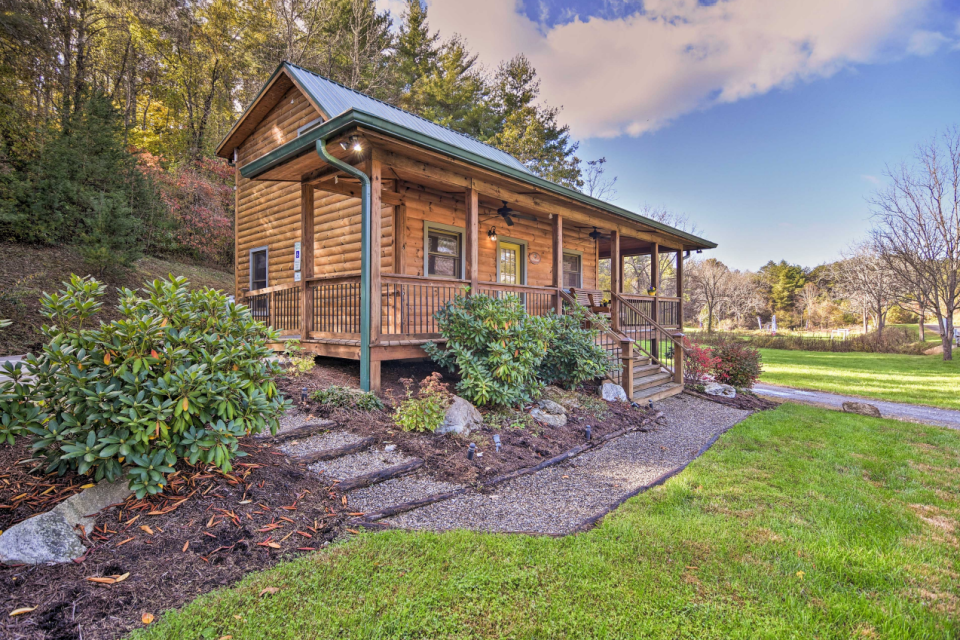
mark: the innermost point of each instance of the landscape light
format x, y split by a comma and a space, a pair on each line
589, 433
303, 395
471, 451
492, 234
496, 441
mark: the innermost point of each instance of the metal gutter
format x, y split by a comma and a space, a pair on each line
354, 117
365, 291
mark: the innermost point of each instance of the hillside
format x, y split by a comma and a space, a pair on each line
26, 271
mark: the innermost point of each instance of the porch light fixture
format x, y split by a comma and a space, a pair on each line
492, 234
352, 143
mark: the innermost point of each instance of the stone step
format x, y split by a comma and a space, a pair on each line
658, 393
651, 380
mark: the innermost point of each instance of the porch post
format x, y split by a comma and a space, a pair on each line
655, 281
376, 240
472, 239
558, 260
680, 287
616, 284
307, 242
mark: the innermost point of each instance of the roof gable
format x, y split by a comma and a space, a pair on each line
332, 99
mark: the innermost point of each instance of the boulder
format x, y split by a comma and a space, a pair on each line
460, 418
612, 392
42, 539
52, 537
861, 408
549, 413
717, 389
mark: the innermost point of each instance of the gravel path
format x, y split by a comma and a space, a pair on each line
909, 412
357, 464
557, 499
392, 492
319, 442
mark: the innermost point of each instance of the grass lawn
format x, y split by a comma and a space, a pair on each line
900, 378
799, 523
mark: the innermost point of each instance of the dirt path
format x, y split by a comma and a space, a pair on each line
910, 412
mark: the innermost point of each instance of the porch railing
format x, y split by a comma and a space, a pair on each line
336, 307
408, 303
537, 301
665, 311
277, 307
664, 346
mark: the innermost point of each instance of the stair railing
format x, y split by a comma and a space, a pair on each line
664, 347
619, 348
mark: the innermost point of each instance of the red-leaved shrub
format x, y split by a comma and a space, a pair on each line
737, 363
698, 362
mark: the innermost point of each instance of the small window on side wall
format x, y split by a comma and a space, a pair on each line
259, 266
444, 253
572, 270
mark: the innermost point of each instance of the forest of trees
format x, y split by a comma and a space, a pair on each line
110, 109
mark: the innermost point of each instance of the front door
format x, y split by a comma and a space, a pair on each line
511, 263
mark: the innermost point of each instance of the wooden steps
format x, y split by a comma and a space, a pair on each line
658, 392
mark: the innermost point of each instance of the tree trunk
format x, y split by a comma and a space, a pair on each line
947, 340
922, 318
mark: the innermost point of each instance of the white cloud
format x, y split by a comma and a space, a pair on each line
636, 74
874, 180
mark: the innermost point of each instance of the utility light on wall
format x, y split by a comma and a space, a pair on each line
353, 143
492, 234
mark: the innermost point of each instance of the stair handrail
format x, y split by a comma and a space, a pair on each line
591, 315
625, 375
656, 325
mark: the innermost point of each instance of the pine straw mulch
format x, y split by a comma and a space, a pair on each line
206, 530
445, 456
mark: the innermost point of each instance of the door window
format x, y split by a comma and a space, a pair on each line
511, 263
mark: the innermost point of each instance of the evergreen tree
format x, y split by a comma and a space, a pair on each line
454, 93
112, 235
416, 54
529, 131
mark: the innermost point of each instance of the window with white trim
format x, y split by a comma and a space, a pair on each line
572, 270
259, 266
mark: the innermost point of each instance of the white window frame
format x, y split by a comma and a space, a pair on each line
571, 252
266, 250
450, 229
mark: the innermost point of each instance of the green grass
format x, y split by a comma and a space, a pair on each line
900, 378
799, 523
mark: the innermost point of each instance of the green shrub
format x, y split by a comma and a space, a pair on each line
426, 411
181, 375
301, 361
495, 347
573, 354
347, 398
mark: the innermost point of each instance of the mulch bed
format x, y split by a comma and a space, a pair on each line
205, 531
744, 400
445, 456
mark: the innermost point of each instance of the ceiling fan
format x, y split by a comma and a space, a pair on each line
508, 214
595, 234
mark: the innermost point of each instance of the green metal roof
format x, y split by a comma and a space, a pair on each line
354, 117
334, 99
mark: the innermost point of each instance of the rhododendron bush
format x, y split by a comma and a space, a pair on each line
199, 196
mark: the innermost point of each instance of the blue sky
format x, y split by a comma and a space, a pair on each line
767, 122
786, 175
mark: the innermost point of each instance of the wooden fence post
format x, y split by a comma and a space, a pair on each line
678, 359
626, 358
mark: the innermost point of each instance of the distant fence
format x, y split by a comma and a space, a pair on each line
893, 340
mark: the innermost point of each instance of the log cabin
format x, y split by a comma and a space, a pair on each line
356, 221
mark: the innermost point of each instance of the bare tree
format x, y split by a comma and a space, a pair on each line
596, 183
707, 285
866, 279
807, 300
917, 227
742, 295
